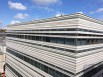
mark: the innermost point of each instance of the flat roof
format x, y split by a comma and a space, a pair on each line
62, 17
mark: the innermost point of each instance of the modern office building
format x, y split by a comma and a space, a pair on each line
63, 46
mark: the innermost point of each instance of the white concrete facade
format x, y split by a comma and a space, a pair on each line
2, 53
65, 46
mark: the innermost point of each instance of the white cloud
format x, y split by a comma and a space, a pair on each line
18, 6
21, 16
80, 12
46, 2
99, 10
14, 22
59, 14
48, 9
45, 8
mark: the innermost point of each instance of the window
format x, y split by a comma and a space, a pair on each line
33, 37
31, 61
37, 38
44, 68
37, 64
69, 41
44, 39
58, 74
51, 72
53, 39
47, 39
61, 40
26, 37
81, 42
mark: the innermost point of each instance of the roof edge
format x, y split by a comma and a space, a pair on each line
62, 17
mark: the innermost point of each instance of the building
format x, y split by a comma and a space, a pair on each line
63, 46
2, 49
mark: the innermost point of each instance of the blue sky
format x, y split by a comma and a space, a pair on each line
15, 11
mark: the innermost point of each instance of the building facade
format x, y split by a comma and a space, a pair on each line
2, 50
63, 46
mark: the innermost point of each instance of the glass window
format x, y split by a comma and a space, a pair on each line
61, 40
44, 68
26, 37
65, 76
51, 72
44, 39
37, 38
33, 37
24, 58
58, 74
69, 41
53, 39
37, 64
81, 42
31, 61
27, 59
47, 39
